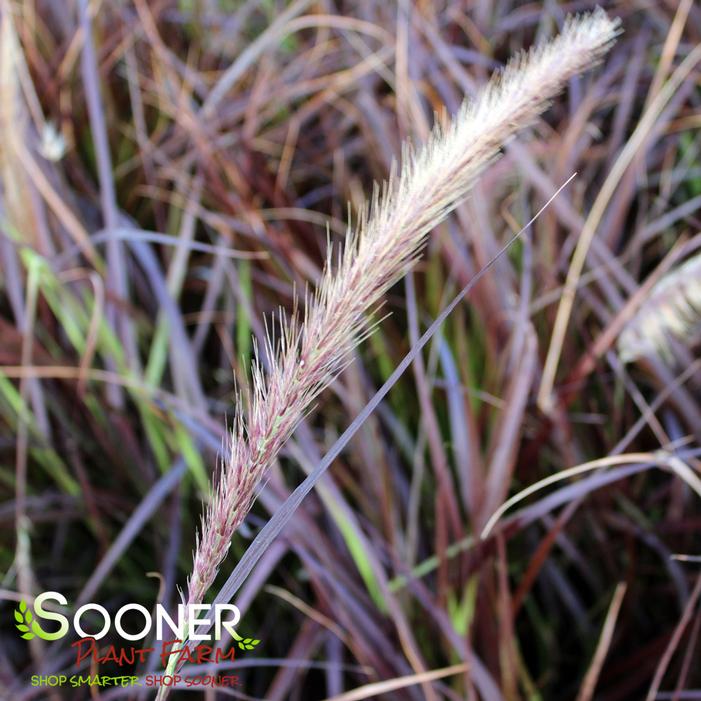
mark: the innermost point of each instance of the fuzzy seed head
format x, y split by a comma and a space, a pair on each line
672, 310
385, 243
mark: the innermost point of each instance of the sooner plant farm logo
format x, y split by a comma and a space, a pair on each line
185, 625
187, 637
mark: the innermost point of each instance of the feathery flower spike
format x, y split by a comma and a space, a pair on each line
386, 242
672, 310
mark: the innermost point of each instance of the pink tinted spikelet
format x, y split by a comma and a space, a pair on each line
386, 242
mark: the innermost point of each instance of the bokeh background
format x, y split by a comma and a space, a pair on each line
170, 171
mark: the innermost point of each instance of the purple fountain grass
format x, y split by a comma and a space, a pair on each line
386, 242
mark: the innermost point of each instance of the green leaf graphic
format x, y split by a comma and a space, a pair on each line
23, 616
244, 643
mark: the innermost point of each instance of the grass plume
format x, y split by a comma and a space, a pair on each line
386, 242
672, 310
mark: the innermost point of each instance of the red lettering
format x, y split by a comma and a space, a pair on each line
91, 649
